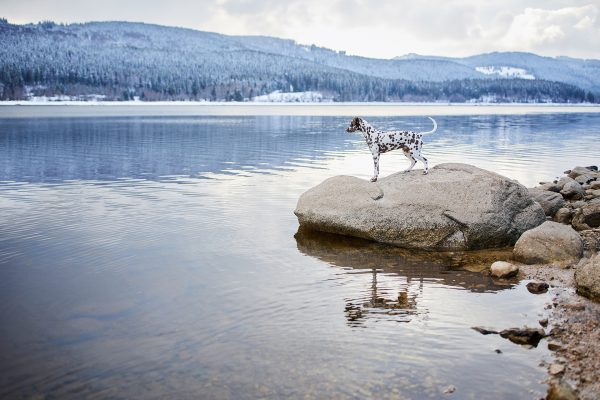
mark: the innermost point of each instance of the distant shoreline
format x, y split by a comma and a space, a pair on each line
27, 109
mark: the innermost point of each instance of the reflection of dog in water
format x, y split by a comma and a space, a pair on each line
405, 304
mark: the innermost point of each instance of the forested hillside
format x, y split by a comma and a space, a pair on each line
123, 61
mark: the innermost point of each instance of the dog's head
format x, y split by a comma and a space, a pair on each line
355, 125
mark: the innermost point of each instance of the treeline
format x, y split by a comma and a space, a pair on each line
122, 61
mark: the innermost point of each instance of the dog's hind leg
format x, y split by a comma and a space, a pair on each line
419, 157
412, 161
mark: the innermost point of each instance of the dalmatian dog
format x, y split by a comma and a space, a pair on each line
381, 142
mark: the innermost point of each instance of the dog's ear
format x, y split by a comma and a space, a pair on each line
356, 122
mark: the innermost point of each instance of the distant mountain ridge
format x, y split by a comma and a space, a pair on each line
125, 60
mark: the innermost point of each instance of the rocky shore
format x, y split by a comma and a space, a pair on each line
562, 256
554, 227
574, 321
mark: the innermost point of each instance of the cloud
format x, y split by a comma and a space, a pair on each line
575, 29
375, 28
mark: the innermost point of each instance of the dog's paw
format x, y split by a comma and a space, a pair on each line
374, 179
425, 172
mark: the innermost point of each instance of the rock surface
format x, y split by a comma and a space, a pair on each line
551, 202
503, 269
549, 242
587, 278
454, 207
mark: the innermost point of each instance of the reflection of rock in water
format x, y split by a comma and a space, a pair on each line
454, 269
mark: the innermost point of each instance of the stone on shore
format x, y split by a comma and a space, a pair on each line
551, 202
587, 278
503, 269
572, 190
587, 217
537, 287
454, 207
524, 336
563, 215
548, 243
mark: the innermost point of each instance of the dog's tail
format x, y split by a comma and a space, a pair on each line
434, 127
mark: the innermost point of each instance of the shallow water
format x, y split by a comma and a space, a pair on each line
159, 257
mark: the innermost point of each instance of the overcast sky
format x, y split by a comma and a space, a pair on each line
374, 28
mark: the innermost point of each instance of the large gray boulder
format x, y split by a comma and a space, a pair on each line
455, 206
587, 278
551, 202
548, 243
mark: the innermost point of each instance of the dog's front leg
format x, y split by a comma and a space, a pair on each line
375, 165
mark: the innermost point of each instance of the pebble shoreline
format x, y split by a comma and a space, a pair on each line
573, 323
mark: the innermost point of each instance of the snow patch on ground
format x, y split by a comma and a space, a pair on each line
294, 97
504, 71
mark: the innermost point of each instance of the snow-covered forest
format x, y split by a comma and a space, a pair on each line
125, 61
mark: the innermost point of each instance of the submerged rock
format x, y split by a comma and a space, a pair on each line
549, 242
524, 336
484, 331
587, 278
454, 207
537, 287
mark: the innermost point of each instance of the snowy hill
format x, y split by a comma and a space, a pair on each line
123, 60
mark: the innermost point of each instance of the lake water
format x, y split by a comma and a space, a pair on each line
157, 257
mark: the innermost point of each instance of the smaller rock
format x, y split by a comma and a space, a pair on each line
537, 287
563, 215
556, 369
554, 346
549, 242
549, 186
484, 331
572, 191
577, 171
550, 201
592, 168
543, 322
524, 336
561, 391
578, 204
575, 306
563, 181
498, 351
591, 240
585, 179
450, 389
587, 278
503, 269
595, 185
587, 217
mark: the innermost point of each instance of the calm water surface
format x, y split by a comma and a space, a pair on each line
159, 258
